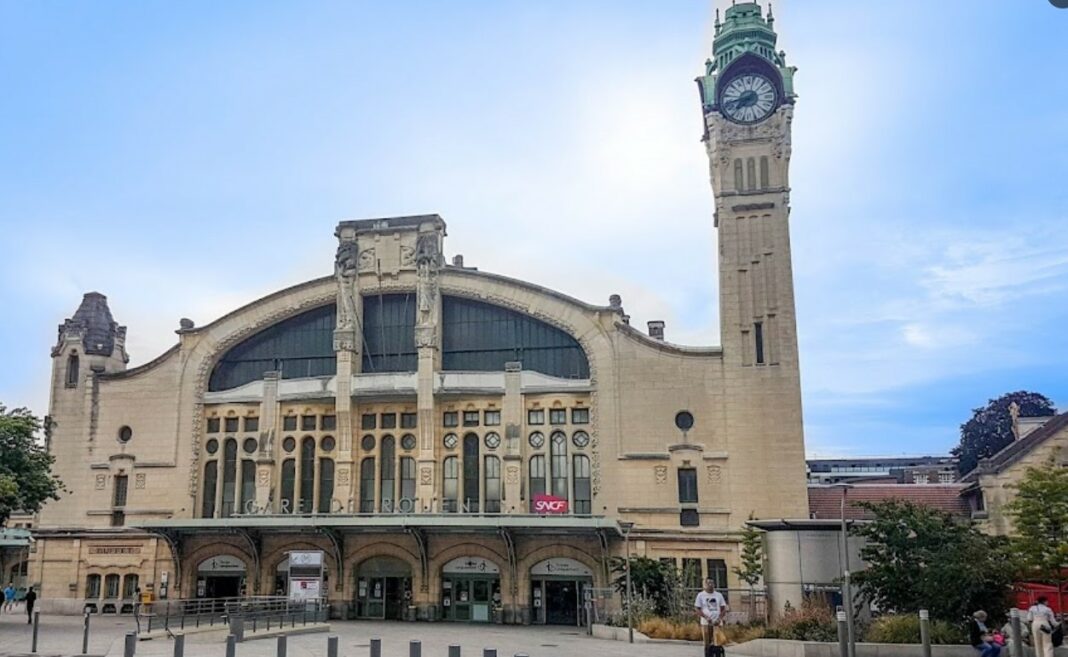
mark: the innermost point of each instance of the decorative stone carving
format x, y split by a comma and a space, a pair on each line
367, 259
715, 474
343, 477
263, 477
427, 262
345, 271
101, 481
407, 256
661, 472
139, 481
426, 476
425, 336
513, 474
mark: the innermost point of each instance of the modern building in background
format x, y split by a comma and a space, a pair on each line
884, 470
443, 442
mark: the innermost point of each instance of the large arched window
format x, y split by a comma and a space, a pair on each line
229, 490
471, 472
72, 370
129, 587
211, 478
537, 477
289, 476
307, 474
111, 586
580, 474
92, 587
493, 484
248, 485
407, 482
367, 485
387, 489
558, 463
450, 478
326, 484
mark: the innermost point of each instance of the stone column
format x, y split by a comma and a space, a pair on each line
512, 418
347, 342
427, 342
269, 430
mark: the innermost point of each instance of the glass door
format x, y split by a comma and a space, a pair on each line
371, 597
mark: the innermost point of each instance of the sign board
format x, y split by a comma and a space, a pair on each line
222, 564
306, 558
470, 566
301, 589
549, 505
561, 567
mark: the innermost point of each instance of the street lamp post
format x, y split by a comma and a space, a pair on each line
627, 526
847, 585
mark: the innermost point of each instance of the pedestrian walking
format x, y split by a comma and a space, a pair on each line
982, 639
31, 598
9, 597
1042, 624
709, 608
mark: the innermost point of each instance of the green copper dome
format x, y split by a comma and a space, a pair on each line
744, 29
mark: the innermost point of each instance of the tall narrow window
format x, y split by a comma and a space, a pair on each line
111, 586
493, 484
72, 371
758, 337
450, 484
92, 587
471, 469
717, 572
229, 491
739, 183
388, 489
407, 482
129, 586
558, 453
367, 485
537, 478
289, 484
248, 486
119, 494
764, 184
580, 473
307, 474
691, 573
687, 486
326, 484
750, 173
211, 476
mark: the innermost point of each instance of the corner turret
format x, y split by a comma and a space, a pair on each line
90, 341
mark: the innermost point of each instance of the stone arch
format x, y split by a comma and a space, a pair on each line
214, 549
540, 553
470, 549
383, 547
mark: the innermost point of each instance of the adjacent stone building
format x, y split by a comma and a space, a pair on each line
452, 443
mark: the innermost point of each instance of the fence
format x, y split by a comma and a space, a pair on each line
252, 613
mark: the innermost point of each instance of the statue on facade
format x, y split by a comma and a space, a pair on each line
346, 271
426, 261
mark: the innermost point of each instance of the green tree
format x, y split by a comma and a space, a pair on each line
650, 578
1039, 512
26, 479
924, 558
990, 428
752, 558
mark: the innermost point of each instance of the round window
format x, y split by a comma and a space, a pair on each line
580, 439
125, 434
251, 444
450, 441
493, 440
289, 444
684, 420
211, 446
537, 440
327, 443
368, 443
408, 442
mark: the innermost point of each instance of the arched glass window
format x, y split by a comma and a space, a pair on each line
764, 173
72, 371
307, 474
537, 478
211, 477
129, 587
229, 490
367, 485
289, 476
750, 173
739, 182
387, 489
248, 486
111, 586
407, 481
493, 484
558, 453
450, 478
471, 468
326, 484
92, 587
580, 473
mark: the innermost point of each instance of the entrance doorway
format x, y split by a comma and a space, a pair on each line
221, 577
471, 590
558, 591
383, 589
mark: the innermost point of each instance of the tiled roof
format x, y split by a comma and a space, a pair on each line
1020, 447
825, 502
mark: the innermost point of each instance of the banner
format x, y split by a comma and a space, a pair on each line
548, 504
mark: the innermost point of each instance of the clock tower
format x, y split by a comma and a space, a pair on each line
747, 98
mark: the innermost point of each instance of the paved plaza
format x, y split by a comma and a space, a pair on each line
62, 635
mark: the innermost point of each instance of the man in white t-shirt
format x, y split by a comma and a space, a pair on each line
709, 607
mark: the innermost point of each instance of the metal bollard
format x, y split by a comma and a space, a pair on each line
179, 645
454, 651
925, 632
231, 645
376, 647
280, 650
130, 646
415, 649
36, 622
1017, 637
489, 652
331, 646
843, 635
85, 634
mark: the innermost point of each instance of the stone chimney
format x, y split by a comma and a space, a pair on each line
656, 329
458, 260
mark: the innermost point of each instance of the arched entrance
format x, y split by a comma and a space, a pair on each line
222, 576
471, 589
383, 588
557, 589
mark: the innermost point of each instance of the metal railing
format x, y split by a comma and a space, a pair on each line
251, 612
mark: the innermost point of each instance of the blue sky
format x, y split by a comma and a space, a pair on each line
184, 158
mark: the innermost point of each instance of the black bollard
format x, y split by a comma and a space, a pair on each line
415, 649
280, 650
179, 645
231, 645
376, 647
36, 622
85, 634
130, 646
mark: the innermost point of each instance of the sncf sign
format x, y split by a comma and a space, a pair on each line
546, 504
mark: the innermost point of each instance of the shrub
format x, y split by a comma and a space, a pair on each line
743, 633
905, 628
812, 622
666, 628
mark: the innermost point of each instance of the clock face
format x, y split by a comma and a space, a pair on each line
748, 98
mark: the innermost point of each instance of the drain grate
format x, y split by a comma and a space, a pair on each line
549, 645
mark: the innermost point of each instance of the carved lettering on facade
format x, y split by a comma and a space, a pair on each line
115, 549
